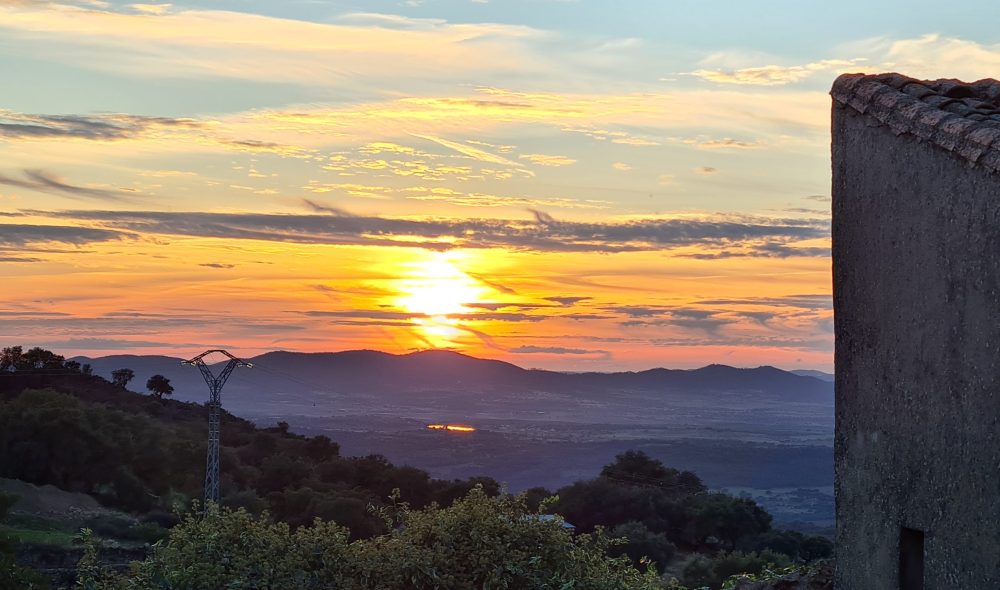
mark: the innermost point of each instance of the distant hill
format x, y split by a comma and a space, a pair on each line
817, 374
318, 379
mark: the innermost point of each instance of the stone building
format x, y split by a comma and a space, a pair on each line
916, 256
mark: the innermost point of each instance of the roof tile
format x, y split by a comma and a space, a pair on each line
977, 142
960, 117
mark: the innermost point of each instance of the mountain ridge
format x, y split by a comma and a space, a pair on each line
444, 353
316, 378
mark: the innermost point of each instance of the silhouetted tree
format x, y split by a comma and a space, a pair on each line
728, 518
159, 386
638, 468
11, 359
321, 448
121, 377
39, 359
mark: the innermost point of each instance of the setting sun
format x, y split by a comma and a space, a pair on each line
437, 287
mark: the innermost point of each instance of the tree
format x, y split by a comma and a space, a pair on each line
11, 359
728, 519
799, 547
321, 448
159, 386
121, 377
638, 468
641, 543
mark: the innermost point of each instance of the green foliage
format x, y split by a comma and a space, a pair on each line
536, 496
478, 542
116, 527
53, 438
728, 518
712, 572
141, 454
641, 544
769, 573
799, 547
13, 576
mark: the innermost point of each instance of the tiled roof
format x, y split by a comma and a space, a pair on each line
960, 117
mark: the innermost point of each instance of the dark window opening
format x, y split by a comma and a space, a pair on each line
911, 559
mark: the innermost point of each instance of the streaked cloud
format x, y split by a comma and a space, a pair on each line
728, 143
47, 182
774, 75
16, 236
468, 150
547, 160
94, 127
149, 41
753, 234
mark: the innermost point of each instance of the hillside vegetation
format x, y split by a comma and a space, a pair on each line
60, 425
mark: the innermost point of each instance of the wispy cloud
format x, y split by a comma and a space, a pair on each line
47, 182
14, 235
149, 41
547, 160
468, 150
728, 143
753, 234
773, 75
94, 127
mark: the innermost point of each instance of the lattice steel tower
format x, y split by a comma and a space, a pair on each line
214, 405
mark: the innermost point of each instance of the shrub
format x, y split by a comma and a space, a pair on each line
479, 542
712, 572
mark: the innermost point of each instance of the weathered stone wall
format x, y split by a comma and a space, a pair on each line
916, 248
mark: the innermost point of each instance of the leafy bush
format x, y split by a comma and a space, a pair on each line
478, 542
712, 572
642, 543
801, 548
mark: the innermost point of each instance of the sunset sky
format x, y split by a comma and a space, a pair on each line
576, 185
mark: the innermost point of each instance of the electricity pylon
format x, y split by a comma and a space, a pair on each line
214, 405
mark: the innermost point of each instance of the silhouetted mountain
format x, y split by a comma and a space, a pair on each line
822, 376
445, 378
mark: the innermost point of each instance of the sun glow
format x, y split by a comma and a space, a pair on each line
438, 289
